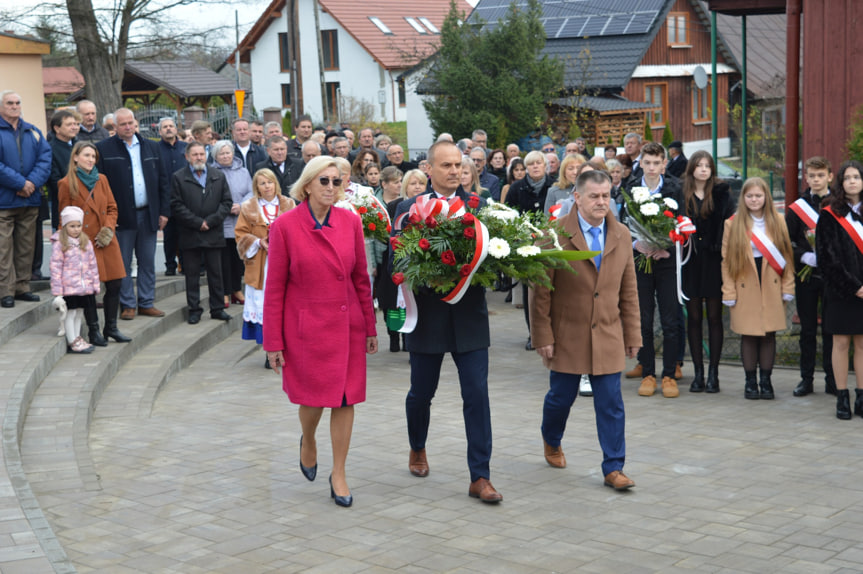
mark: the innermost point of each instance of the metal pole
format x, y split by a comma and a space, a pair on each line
745, 129
714, 87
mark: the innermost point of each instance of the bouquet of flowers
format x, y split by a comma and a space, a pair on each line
652, 220
806, 271
376, 220
450, 247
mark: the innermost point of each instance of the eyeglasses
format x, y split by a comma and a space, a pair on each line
325, 181
548, 150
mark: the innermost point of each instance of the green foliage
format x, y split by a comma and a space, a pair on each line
854, 146
667, 136
648, 133
287, 124
495, 79
765, 150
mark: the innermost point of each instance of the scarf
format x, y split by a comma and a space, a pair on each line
88, 179
536, 186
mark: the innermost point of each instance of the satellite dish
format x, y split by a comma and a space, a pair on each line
700, 77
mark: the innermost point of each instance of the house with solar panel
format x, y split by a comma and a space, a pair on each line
627, 61
319, 57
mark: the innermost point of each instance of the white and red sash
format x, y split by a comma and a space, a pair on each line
851, 226
768, 249
805, 212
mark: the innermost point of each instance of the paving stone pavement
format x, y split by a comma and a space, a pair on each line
208, 480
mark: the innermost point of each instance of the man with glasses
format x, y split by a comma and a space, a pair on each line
480, 139
25, 164
486, 180
396, 157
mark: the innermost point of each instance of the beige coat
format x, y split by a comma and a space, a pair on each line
591, 317
759, 309
251, 225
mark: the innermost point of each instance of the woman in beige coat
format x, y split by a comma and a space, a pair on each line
757, 281
252, 235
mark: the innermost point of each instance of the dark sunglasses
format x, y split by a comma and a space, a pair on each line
548, 150
325, 181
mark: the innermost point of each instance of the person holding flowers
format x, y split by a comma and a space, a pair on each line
840, 257
802, 217
757, 281
460, 329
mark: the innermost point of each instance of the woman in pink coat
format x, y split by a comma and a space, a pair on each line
319, 321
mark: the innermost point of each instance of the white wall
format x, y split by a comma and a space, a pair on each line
420, 134
723, 147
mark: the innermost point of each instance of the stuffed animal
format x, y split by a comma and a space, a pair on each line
59, 305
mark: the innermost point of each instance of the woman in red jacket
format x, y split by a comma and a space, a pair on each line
319, 321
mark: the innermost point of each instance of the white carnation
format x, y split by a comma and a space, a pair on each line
498, 248
649, 209
528, 250
503, 215
640, 194
669, 203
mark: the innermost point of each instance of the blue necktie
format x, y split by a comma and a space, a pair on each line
595, 246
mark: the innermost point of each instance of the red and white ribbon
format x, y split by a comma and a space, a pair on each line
853, 227
554, 211
479, 255
805, 212
682, 230
769, 250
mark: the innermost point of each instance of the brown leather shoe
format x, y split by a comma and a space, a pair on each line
648, 386
554, 455
150, 312
678, 370
127, 314
669, 388
618, 481
418, 464
481, 488
636, 372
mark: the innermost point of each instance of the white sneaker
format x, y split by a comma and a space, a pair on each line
584, 388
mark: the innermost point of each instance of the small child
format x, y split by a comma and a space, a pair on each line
74, 274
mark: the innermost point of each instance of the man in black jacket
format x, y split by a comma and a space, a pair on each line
200, 201
133, 166
461, 330
250, 154
173, 154
286, 169
676, 160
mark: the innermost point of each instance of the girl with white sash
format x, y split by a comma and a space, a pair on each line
757, 281
839, 247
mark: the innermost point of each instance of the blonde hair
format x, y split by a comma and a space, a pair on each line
475, 187
533, 157
267, 174
410, 175
575, 158
738, 250
311, 172
63, 237
71, 176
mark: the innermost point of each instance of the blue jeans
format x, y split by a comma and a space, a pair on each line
607, 403
143, 242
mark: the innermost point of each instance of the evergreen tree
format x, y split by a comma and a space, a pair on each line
667, 136
648, 132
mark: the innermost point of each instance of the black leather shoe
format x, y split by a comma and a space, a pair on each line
803, 388
170, 273
712, 385
766, 386
96, 338
310, 472
194, 318
267, 364
697, 385
843, 405
8, 301
29, 296
345, 501
220, 315
114, 333
750, 390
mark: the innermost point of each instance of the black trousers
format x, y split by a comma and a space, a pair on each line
660, 287
232, 267
212, 259
169, 244
808, 294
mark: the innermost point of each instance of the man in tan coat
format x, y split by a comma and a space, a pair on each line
587, 324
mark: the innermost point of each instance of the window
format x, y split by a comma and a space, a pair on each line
656, 94
403, 98
330, 45
700, 104
333, 91
429, 25
677, 29
415, 25
284, 59
381, 26
286, 95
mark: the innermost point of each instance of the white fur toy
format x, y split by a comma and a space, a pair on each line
59, 304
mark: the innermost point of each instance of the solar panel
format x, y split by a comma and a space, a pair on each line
618, 25
594, 26
641, 22
573, 27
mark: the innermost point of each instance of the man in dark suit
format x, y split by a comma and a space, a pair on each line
249, 153
133, 166
461, 330
173, 154
286, 169
589, 332
676, 160
200, 201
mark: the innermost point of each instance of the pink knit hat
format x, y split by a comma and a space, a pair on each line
71, 213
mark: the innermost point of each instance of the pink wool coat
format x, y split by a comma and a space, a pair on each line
73, 272
318, 306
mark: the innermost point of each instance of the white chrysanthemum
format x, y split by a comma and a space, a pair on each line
503, 215
528, 250
345, 204
649, 209
498, 248
364, 192
669, 203
640, 194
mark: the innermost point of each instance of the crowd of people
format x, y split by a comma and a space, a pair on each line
255, 211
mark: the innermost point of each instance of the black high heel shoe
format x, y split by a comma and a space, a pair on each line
345, 501
309, 472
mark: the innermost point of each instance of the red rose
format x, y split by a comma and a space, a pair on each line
381, 215
465, 270
372, 227
424, 244
362, 210
414, 218
389, 227
680, 219
473, 201
448, 257
398, 278
395, 243
470, 232
667, 213
467, 219
431, 222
